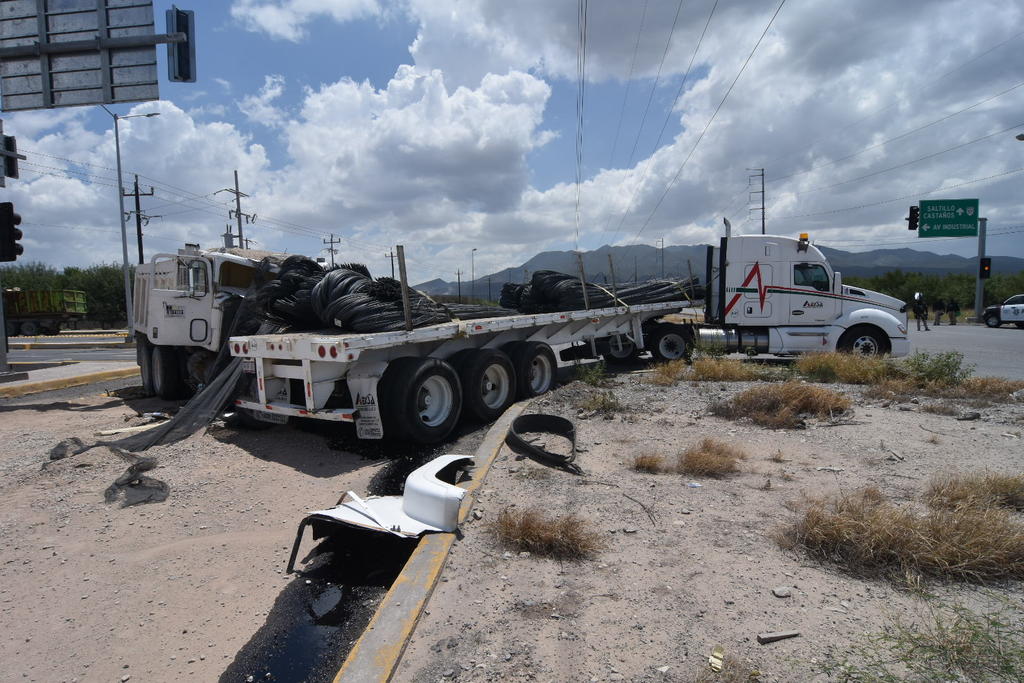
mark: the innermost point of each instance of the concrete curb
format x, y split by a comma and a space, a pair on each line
375, 656
25, 346
65, 382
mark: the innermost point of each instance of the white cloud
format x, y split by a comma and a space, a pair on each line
260, 108
286, 19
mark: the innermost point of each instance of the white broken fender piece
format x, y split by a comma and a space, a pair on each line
428, 504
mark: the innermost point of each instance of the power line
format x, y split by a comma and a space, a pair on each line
898, 137
581, 75
908, 163
664, 125
710, 121
895, 103
904, 197
629, 84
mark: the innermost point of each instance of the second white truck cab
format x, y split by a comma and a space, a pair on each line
774, 294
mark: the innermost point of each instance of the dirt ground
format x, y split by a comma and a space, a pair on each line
92, 591
665, 591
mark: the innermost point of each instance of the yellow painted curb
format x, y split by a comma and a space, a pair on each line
375, 656
65, 382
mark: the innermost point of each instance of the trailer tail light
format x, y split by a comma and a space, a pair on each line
245, 348
237, 348
334, 352
322, 351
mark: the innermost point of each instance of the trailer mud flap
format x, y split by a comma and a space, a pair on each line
362, 385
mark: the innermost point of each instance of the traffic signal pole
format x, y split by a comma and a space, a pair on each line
979, 284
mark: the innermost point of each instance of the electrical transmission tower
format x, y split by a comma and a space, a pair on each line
140, 217
331, 248
237, 214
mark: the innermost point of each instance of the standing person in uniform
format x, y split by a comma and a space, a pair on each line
953, 311
939, 307
920, 311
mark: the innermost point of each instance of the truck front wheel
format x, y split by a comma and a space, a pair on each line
166, 373
422, 399
992, 320
864, 339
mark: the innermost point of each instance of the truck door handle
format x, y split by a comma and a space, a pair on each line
798, 312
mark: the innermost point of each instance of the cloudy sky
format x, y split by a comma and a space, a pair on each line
448, 125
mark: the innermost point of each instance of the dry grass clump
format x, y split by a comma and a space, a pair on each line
781, 405
565, 537
940, 409
993, 388
849, 368
979, 489
604, 402
650, 463
867, 534
709, 458
667, 374
722, 370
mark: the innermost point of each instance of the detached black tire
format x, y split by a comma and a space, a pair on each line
535, 367
668, 342
867, 340
421, 399
166, 373
488, 382
992, 320
29, 328
613, 355
144, 358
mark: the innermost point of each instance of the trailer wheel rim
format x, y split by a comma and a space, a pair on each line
865, 344
434, 401
672, 346
494, 386
625, 352
540, 373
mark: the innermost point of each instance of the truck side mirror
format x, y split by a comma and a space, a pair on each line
837, 283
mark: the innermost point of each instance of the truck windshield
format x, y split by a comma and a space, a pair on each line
811, 275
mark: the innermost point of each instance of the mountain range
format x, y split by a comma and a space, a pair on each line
642, 262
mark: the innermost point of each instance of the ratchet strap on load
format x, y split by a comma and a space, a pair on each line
544, 424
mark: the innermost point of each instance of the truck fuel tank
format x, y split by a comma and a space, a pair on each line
729, 340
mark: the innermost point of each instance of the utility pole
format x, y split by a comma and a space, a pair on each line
331, 248
236, 213
489, 288
979, 284
391, 255
458, 274
472, 274
661, 246
139, 215
229, 238
635, 281
759, 174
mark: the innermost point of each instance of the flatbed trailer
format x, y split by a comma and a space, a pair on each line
416, 384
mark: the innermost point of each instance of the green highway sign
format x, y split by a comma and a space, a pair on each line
948, 218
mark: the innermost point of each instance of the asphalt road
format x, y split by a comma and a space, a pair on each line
995, 352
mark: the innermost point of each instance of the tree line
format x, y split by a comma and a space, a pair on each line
952, 286
103, 285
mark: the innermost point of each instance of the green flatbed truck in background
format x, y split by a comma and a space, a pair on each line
42, 311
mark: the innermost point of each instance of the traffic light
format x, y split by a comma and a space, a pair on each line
985, 269
915, 213
10, 160
181, 57
9, 233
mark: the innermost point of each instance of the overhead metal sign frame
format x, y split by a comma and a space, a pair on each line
62, 53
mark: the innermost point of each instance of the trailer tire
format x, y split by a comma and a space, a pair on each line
166, 373
867, 340
421, 399
615, 356
243, 418
535, 367
29, 328
668, 342
488, 382
144, 358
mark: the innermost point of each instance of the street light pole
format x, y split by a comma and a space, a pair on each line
120, 214
472, 274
